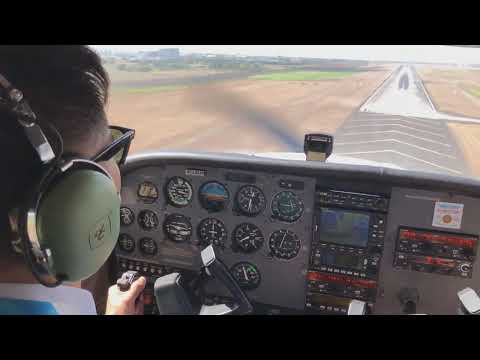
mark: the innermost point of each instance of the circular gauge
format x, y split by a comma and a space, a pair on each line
177, 227
284, 244
148, 220
126, 243
250, 200
147, 192
179, 191
148, 246
214, 196
248, 238
126, 216
247, 275
287, 206
212, 232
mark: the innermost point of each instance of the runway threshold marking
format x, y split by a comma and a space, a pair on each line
405, 155
396, 141
395, 132
398, 125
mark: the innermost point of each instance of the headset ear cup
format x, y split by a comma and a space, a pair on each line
78, 221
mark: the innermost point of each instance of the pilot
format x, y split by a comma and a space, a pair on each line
67, 88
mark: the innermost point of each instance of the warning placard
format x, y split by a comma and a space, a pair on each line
448, 215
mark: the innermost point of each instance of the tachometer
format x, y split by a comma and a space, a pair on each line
250, 200
284, 244
287, 206
247, 238
212, 231
179, 191
177, 227
214, 196
247, 275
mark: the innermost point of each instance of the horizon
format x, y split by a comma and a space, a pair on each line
440, 54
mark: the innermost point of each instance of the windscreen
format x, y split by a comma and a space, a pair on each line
409, 107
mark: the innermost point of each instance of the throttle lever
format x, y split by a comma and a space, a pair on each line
127, 279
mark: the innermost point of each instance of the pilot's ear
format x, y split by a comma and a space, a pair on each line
15, 241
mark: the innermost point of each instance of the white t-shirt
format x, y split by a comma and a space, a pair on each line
26, 299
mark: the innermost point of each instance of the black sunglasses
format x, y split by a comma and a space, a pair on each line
118, 148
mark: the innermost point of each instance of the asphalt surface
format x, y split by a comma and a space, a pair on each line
399, 124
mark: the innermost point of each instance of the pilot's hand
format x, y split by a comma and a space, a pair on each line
126, 302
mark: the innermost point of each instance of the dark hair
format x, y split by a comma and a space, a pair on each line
67, 87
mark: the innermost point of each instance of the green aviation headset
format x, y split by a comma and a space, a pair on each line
69, 222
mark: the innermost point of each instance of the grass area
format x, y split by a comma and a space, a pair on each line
304, 75
148, 89
473, 90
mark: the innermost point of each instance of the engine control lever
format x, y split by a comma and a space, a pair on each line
469, 302
127, 279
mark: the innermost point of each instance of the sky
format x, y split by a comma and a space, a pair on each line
418, 53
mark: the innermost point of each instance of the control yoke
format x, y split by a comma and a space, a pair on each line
172, 297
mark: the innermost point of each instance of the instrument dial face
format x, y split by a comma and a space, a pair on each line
284, 244
126, 243
147, 220
147, 192
212, 232
248, 238
178, 228
250, 200
247, 275
287, 206
148, 246
126, 216
179, 192
214, 196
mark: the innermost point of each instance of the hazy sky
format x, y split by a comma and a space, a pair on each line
420, 53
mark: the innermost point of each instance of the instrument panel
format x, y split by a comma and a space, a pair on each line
299, 236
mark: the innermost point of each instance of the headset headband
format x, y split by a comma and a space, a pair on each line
12, 100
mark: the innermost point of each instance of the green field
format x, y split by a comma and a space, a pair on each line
147, 89
304, 75
473, 90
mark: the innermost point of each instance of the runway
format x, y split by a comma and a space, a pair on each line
399, 124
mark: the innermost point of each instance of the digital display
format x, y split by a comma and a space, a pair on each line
344, 260
344, 227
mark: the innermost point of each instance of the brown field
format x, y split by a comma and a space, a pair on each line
468, 137
451, 90
256, 115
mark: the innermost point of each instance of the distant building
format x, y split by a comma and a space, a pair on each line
161, 54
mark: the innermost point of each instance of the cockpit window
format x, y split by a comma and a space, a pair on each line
408, 107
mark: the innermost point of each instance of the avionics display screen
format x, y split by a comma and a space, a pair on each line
344, 227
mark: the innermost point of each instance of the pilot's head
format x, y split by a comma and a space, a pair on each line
67, 87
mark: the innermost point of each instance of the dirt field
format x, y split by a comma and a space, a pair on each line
468, 137
242, 115
453, 91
